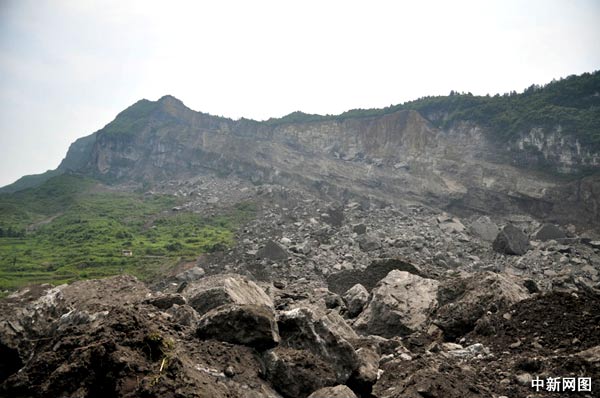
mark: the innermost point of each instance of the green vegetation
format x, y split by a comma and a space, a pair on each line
572, 103
30, 181
73, 228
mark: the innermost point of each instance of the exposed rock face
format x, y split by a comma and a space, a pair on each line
249, 325
511, 240
400, 305
399, 157
215, 291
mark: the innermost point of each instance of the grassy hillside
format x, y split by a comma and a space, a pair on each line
72, 228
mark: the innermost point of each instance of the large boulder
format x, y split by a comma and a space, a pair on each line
369, 242
296, 373
302, 329
363, 379
463, 301
549, 232
340, 282
333, 392
511, 240
356, 298
400, 305
484, 228
249, 325
273, 251
217, 290
191, 274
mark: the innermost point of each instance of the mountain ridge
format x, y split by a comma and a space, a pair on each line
436, 150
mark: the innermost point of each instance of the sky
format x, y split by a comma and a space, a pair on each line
68, 67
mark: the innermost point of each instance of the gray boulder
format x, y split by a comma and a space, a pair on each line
249, 325
183, 314
333, 392
484, 228
356, 299
511, 240
217, 290
369, 243
302, 329
191, 274
400, 305
463, 301
273, 251
296, 373
549, 232
363, 379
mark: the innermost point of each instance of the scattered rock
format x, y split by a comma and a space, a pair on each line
335, 216
356, 298
511, 240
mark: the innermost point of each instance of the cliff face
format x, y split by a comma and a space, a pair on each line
398, 157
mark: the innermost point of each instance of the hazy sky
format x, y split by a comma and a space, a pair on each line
68, 67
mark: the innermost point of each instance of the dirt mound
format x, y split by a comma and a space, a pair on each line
556, 321
541, 337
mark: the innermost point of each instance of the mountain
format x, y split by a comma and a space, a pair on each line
536, 152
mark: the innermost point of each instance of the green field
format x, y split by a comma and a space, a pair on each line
73, 228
